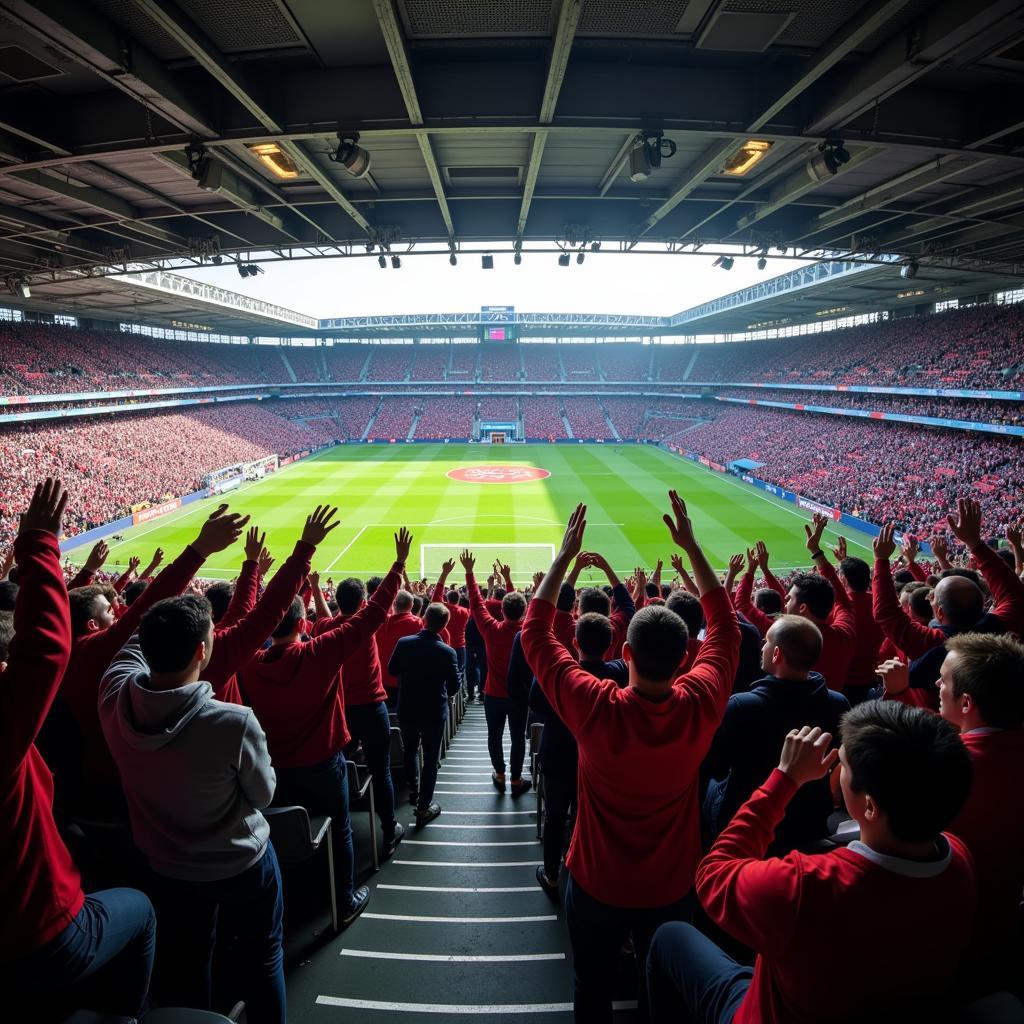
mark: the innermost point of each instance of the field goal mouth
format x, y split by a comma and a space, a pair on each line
522, 559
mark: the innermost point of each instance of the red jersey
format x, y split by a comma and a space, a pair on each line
869, 641
499, 635
639, 760
782, 908
361, 681
396, 626
457, 619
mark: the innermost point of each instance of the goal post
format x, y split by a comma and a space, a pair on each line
522, 559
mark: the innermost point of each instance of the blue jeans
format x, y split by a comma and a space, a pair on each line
690, 980
250, 904
429, 729
101, 961
369, 723
597, 932
476, 669
496, 710
323, 789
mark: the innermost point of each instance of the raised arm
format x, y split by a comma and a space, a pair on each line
319, 601
910, 548
244, 597
484, 620
842, 617
1015, 538
38, 653
735, 568
439, 586
154, 563
940, 549
122, 581
761, 554
93, 563
744, 601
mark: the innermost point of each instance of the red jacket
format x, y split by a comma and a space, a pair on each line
295, 689
637, 838
869, 641
92, 654
458, 617
991, 823
395, 627
914, 918
498, 634
40, 890
243, 600
361, 681
249, 625
838, 634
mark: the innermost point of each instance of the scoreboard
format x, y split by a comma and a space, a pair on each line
497, 323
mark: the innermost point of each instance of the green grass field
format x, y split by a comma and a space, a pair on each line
381, 487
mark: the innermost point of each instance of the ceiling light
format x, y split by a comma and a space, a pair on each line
751, 152
273, 157
487, 262
396, 262
762, 263
646, 154
595, 246
580, 256
382, 261
351, 156
909, 270
563, 260
725, 262
517, 259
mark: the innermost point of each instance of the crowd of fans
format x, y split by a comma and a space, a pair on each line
390, 362
393, 420
446, 417
875, 470
586, 418
761, 773
500, 361
542, 417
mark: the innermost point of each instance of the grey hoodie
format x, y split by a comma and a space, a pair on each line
195, 771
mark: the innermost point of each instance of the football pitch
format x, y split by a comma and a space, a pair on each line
506, 502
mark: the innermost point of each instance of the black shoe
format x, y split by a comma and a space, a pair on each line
520, 786
499, 784
391, 842
414, 795
550, 888
360, 901
425, 814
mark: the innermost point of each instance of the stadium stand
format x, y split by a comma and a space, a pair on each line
542, 417
446, 417
499, 361
390, 362
431, 362
620, 361
586, 418
492, 407
579, 362
393, 420
345, 362
463, 363
353, 414
542, 362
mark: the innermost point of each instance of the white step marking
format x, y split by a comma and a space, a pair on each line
501, 1009
425, 919
451, 958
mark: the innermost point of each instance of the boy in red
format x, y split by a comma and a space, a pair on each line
499, 635
904, 891
54, 939
636, 844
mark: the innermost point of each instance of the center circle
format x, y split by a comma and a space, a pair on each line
497, 474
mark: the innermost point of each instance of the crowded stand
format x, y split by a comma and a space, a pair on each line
345, 362
430, 362
875, 470
389, 362
623, 361
578, 361
353, 414
542, 362
445, 417
542, 417
721, 814
463, 363
586, 418
305, 363
393, 420
493, 407
499, 361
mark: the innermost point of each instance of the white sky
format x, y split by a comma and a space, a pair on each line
607, 282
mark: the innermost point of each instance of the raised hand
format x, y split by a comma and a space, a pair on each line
447, 567
97, 557
46, 509
254, 544
641, 578
679, 526
537, 578
895, 676
966, 524
735, 566
572, 541
805, 755
154, 563
814, 532
314, 580
840, 550
910, 547
885, 544
403, 545
319, 524
219, 532
133, 563
1015, 534
751, 559
656, 576
677, 564
761, 554
264, 562
467, 560
940, 549
7, 564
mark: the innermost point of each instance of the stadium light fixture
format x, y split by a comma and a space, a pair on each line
351, 155
452, 259
19, 286
217, 260
563, 260
752, 151
382, 261
725, 262
762, 263
275, 159
580, 256
517, 259
909, 270
595, 246
396, 262
646, 154
487, 262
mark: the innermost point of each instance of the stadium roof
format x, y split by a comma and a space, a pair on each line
129, 128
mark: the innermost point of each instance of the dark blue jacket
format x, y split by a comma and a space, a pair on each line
749, 670
428, 672
747, 747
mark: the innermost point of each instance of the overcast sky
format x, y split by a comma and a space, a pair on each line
607, 282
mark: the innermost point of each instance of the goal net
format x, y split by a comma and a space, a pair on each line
227, 478
523, 559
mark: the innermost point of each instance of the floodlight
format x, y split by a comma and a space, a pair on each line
909, 270
273, 157
452, 260
382, 261
396, 262
762, 263
487, 262
517, 259
725, 262
563, 260
351, 155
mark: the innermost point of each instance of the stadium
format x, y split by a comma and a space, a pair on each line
741, 576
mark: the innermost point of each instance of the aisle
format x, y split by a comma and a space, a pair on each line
457, 925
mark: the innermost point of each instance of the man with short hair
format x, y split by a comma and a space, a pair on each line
428, 674
756, 723
637, 839
458, 616
402, 621
905, 885
498, 636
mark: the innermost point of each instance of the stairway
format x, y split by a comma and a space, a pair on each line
287, 365
567, 425
693, 362
608, 420
412, 427
373, 417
